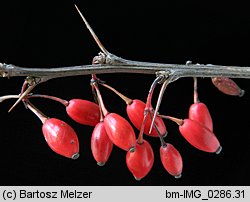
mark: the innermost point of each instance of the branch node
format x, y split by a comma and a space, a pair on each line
99, 59
5, 70
32, 81
164, 75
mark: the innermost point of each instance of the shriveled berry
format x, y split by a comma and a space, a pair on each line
200, 113
120, 132
141, 160
171, 160
101, 145
83, 111
135, 112
227, 86
61, 138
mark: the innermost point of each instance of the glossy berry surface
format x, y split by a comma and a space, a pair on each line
84, 112
61, 138
200, 113
135, 112
141, 160
101, 145
199, 136
171, 160
120, 132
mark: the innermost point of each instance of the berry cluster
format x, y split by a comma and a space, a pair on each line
111, 129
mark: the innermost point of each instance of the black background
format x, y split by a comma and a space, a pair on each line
51, 34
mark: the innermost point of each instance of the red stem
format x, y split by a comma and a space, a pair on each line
36, 111
196, 98
101, 114
25, 83
151, 91
99, 96
163, 144
147, 109
94, 79
176, 120
140, 137
125, 99
64, 102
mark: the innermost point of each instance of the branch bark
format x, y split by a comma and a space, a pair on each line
114, 64
107, 62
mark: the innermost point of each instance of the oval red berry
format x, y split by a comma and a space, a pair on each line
199, 136
61, 138
171, 160
141, 160
200, 113
135, 113
101, 145
84, 112
120, 132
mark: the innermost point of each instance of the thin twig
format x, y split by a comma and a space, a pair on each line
130, 67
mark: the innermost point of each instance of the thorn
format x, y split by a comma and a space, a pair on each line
163, 88
104, 50
22, 96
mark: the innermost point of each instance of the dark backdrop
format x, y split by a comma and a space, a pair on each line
51, 34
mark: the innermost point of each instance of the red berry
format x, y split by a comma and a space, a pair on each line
199, 136
200, 113
120, 132
135, 112
101, 145
61, 138
171, 160
83, 112
141, 160
227, 86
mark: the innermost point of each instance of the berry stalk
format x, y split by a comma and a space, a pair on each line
196, 98
36, 111
163, 88
62, 101
6, 97
99, 96
123, 97
176, 120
